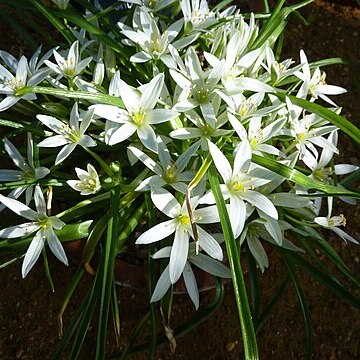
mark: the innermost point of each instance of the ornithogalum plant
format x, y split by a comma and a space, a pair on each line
185, 116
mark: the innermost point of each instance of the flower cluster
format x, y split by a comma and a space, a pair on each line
147, 114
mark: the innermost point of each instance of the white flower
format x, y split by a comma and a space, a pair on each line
203, 130
147, 35
89, 182
239, 185
71, 66
257, 136
315, 84
198, 83
307, 132
167, 171
197, 13
139, 114
332, 223
180, 224
27, 171
202, 261
41, 223
10, 84
70, 136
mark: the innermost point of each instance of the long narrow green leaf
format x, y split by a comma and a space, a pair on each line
332, 285
108, 273
19, 29
254, 286
301, 179
247, 327
92, 29
303, 306
59, 25
332, 255
96, 97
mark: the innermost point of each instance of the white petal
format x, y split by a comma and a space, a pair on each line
243, 158
221, 162
210, 265
148, 137
32, 253
258, 252
207, 215
179, 254
15, 155
19, 208
209, 244
146, 160
237, 214
152, 91
158, 116
51, 122
122, 133
53, 141
261, 202
165, 202
8, 102
64, 153
191, 285
18, 230
108, 112
130, 97
344, 235
39, 201
162, 286
342, 169
186, 133
55, 246
158, 232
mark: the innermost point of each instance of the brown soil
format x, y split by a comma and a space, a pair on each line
28, 308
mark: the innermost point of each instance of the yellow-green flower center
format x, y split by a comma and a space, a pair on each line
184, 219
170, 173
70, 134
138, 118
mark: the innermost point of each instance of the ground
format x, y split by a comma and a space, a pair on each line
28, 308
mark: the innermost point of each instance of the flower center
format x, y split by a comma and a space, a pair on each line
68, 67
237, 185
15, 84
170, 173
184, 219
138, 118
69, 134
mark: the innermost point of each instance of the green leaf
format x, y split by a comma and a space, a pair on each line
95, 97
107, 272
333, 285
301, 179
247, 327
303, 306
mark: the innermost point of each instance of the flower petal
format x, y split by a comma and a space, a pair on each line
179, 254
55, 245
32, 253
209, 244
18, 230
165, 202
162, 286
221, 162
191, 285
19, 208
158, 232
